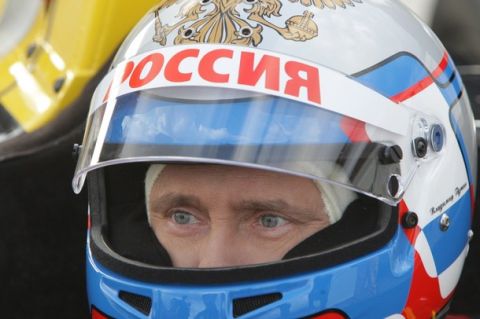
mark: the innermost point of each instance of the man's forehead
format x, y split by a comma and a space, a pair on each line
238, 202
240, 186
225, 173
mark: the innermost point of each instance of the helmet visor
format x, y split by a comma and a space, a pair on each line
249, 130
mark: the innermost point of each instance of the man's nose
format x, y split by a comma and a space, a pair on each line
222, 248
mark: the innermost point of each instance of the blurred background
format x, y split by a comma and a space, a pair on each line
52, 55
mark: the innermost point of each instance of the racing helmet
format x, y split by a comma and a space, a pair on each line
358, 96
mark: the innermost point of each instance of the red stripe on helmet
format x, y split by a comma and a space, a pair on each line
422, 84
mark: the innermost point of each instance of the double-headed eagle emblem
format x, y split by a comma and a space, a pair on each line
218, 21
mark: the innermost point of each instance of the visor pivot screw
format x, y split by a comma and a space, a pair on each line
420, 147
76, 151
437, 137
409, 220
57, 86
393, 186
391, 154
444, 222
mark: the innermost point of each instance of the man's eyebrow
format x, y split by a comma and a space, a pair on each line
176, 199
276, 205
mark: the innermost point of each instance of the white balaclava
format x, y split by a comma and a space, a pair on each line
336, 199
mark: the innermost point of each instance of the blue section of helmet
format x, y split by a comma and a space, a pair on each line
452, 91
457, 86
144, 119
463, 148
373, 286
444, 78
403, 71
455, 238
395, 76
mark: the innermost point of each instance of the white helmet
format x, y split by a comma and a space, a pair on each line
359, 95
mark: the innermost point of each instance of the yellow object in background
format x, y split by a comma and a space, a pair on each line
65, 46
2, 7
21, 23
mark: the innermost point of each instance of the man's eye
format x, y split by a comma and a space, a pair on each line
184, 218
272, 221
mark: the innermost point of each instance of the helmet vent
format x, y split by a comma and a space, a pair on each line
141, 303
242, 306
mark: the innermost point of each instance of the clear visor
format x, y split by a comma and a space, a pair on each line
223, 126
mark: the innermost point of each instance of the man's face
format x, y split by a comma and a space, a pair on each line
220, 216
